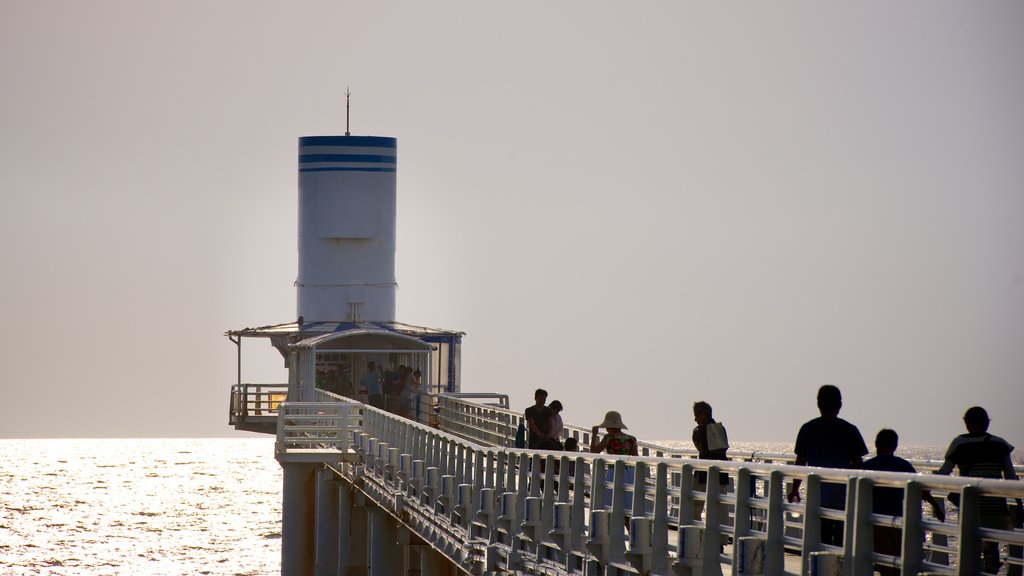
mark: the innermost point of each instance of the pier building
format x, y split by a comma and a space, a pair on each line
441, 490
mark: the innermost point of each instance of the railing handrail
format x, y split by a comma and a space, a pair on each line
461, 485
504, 427
317, 425
501, 398
454, 402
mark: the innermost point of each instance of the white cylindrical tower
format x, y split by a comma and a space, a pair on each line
347, 222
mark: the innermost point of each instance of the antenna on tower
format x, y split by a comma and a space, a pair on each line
348, 97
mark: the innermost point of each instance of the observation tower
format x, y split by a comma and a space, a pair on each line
345, 287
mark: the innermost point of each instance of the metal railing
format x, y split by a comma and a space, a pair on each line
317, 425
252, 400
497, 426
496, 508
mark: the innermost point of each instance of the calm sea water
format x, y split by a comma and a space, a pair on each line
162, 506
140, 506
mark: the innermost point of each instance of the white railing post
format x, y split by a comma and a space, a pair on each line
535, 466
446, 499
641, 526
774, 560
861, 525
686, 496
522, 484
379, 459
741, 513
597, 542
913, 529
969, 557
548, 499
812, 521
617, 521
532, 523
416, 476
508, 519
712, 521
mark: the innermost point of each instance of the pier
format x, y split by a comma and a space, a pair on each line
369, 492
441, 489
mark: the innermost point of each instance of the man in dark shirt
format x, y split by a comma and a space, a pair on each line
889, 501
538, 420
830, 442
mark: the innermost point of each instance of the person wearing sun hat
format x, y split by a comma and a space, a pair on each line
616, 441
619, 443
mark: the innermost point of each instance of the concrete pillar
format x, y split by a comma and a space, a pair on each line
353, 533
298, 520
384, 561
326, 524
432, 563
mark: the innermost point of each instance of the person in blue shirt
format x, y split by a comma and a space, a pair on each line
889, 501
372, 382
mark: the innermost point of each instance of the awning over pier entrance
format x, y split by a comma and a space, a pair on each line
342, 349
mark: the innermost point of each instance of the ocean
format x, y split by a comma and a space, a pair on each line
140, 506
162, 506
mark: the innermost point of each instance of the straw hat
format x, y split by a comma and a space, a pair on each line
612, 420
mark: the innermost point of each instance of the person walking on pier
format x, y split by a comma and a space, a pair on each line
982, 455
831, 442
710, 440
889, 501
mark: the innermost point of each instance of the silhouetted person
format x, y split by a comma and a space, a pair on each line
538, 420
983, 455
889, 501
830, 442
702, 415
570, 445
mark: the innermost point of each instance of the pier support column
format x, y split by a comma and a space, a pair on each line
327, 512
353, 532
432, 563
383, 543
298, 519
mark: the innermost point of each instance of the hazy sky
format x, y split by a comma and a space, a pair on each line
633, 205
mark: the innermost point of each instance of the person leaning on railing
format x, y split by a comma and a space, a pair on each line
539, 419
889, 501
615, 442
982, 455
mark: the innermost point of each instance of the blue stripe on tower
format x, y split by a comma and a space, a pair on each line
346, 169
364, 158
362, 141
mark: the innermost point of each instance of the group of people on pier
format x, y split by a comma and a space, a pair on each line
829, 441
392, 390
832, 442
